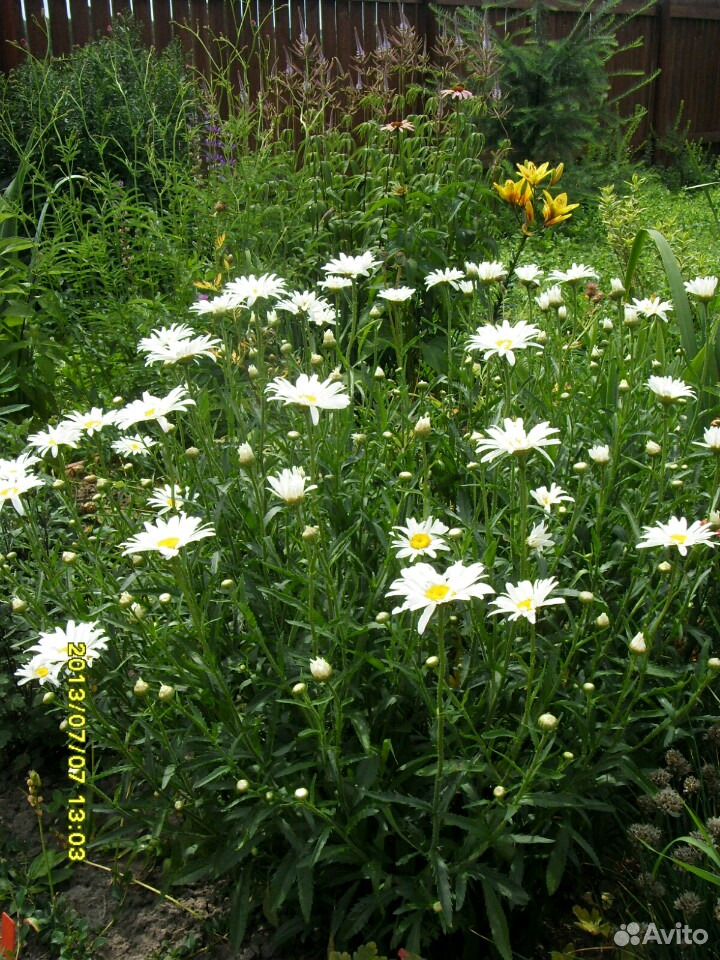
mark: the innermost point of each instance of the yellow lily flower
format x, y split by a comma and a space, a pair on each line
556, 209
534, 175
517, 194
557, 174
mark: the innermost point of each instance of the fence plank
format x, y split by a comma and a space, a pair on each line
37, 28
79, 22
59, 28
100, 10
142, 12
13, 32
161, 24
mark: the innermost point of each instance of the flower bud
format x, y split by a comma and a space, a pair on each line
562, 313
382, 617
664, 567
242, 786
588, 687
567, 755
293, 435
437, 907
637, 644
580, 466
432, 663
320, 670
652, 449
499, 792
227, 584
58, 484
301, 793
125, 599
607, 324
586, 596
138, 560
18, 605
165, 692
623, 386
329, 339
299, 689
253, 372
405, 475
602, 621
285, 348
141, 688
423, 428
246, 456
192, 453
50, 696
69, 557
138, 611
547, 721
714, 663
379, 373
310, 533
617, 289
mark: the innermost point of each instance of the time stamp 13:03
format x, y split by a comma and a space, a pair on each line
77, 745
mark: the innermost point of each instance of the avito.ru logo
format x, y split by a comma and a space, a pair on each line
633, 934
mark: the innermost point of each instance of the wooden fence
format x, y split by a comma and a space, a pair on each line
680, 37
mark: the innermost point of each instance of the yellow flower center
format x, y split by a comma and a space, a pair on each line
420, 540
9, 492
41, 671
151, 411
92, 424
437, 593
679, 538
503, 344
526, 604
169, 543
310, 398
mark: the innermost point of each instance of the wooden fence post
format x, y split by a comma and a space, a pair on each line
659, 119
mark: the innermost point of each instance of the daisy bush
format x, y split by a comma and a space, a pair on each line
390, 582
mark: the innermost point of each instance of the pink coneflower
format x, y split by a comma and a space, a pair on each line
397, 125
458, 92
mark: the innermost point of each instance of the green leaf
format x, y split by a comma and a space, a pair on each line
44, 863
498, 921
556, 862
305, 891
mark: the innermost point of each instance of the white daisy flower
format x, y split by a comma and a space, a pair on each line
599, 453
489, 271
131, 446
538, 538
530, 274
335, 284
513, 438
309, 392
353, 267
154, 408
703, 288
91, 422
40, 669
54, 645
250, 289
524, 599
652, 307
547, 497
711, 439
317, 309
18, 467
51, 439
550, 299
677, 533
162, 347
396, 294
223, 303
290, 485
425, 589
13, 489
169, 497
420, 538
503, 339
668, 390
163, 337
450, 276
576, 273
167, 537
